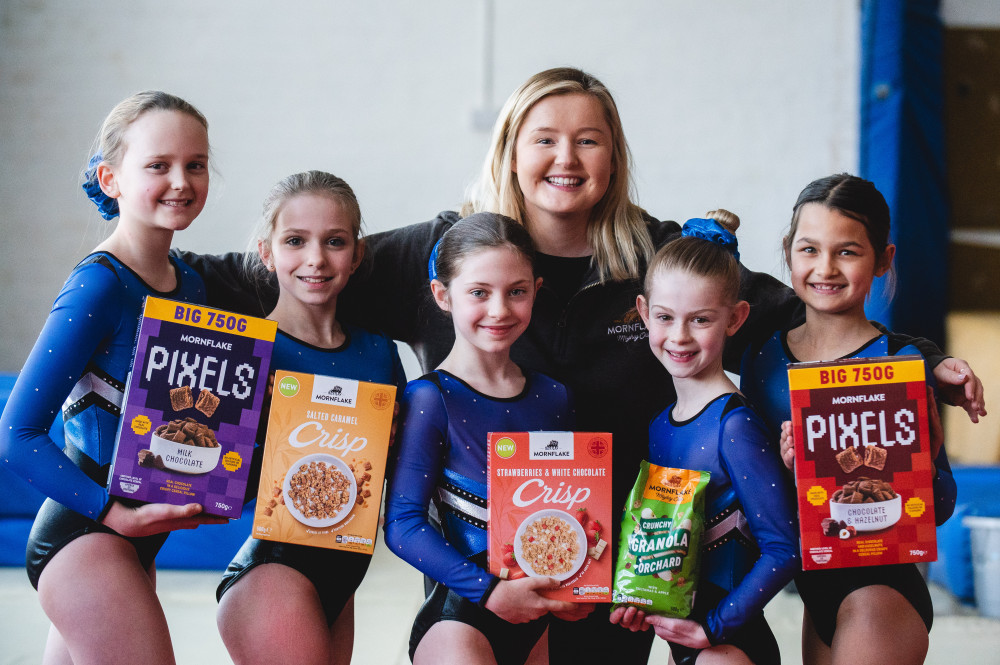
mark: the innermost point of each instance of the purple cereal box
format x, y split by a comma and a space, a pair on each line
192, 407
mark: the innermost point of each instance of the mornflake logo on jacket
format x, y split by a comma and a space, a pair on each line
550, 445
331, 390
629, 328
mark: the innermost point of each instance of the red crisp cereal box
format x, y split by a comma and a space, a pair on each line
862, 462
550, 513
324, 462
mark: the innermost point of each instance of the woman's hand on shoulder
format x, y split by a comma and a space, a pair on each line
153, 518
521, 600
959, 386
680, 631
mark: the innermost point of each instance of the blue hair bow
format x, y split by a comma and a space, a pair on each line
107, 206
712, 231
432, 271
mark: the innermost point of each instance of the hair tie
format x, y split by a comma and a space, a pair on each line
432, 271
107, 206
712, 231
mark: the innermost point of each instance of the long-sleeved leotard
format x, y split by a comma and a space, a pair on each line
750, 547
80, 364
442, 453
764, 380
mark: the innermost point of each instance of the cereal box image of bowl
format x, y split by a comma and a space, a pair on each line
324, 461
862, 462
549, 504
192, 406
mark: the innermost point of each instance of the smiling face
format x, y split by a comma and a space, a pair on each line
832, 261
563, 158
162, 181
688, 322
489, 298
312, 250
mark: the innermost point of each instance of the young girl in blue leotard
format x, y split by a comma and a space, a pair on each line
483, 276
837, 244
690, 307
309, 237
92, 557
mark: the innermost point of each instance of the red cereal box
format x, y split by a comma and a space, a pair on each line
862, 462
550, 513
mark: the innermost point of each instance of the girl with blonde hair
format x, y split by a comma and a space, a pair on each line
92, 556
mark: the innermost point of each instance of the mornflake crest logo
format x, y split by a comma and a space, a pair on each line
334, 391
550, 445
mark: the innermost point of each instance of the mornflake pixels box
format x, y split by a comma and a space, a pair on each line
192, 407
863, 467
550, 512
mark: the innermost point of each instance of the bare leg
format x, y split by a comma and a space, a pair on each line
814, 651
884, 623
342, 636
540, 653
273, 615
56, 651
103, 604
723, 654
453, 643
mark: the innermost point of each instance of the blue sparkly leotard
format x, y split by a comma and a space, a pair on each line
764, 380
80, 362
442, 458
749, 549
364, 356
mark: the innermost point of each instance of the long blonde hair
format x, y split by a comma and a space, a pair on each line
616, 231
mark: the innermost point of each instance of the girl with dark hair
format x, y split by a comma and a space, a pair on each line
483, 276
838, 243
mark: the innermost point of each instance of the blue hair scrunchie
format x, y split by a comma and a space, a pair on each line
712, 231
107, 206
432, 271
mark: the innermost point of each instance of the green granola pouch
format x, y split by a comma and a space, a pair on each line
658, 554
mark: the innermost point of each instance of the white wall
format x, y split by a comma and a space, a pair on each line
970, 13
725, 104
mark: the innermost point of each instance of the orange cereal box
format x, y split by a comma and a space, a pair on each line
862, 462
324, 462
550, 512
